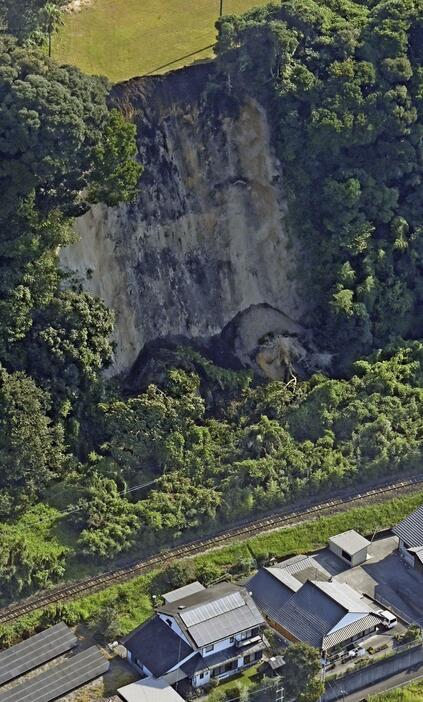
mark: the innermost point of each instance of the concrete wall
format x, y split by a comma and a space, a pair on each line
359, 557
406, 555
372, 674
356, 558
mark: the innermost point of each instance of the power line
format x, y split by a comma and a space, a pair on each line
121, 493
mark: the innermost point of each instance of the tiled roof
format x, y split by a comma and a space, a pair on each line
344, 595
418, 552
357, 627
410, 530
299, 565
314, 610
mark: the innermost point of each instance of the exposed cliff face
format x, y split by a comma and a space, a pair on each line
206, 238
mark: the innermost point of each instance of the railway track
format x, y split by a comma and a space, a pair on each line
98, 582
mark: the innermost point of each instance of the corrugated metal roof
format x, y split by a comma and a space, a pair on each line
181, 592
226, 624
210, 610
350, 541
410, 530
358, 627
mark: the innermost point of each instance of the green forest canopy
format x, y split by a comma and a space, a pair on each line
343, 82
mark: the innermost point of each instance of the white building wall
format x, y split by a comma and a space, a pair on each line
218, 646
174, 626
197, 681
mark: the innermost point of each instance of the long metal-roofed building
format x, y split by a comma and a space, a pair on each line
410, 538
208, 633
326, 614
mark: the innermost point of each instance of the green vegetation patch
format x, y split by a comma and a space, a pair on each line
120, 608
125, 38
409, 693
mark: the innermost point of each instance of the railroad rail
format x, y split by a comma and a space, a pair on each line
277, 520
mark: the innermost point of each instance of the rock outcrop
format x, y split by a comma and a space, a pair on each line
206, 241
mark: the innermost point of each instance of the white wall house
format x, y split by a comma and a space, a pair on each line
198, 634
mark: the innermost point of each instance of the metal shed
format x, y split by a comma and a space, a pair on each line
350, 546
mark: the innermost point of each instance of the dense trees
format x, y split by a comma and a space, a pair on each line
302, 673
23, 18
60, 148
32, 451
343, 83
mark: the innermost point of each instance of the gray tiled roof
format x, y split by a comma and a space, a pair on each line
285, 578
418, 552
268, 592
311, 612
303, 568
347, 632
344, 595
410, 530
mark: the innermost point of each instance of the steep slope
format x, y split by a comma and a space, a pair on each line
206, 239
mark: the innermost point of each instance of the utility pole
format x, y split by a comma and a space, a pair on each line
221, 8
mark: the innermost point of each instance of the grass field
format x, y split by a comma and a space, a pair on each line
126, 38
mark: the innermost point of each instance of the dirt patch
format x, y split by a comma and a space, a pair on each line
77, 5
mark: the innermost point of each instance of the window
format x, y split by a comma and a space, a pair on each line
201, 676
209, 648
232, 639
247, 659
346, 556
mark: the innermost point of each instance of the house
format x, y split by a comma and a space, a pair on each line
350, 546
410, 538
198, 634
327, 614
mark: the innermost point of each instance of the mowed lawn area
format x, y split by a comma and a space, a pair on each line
125, 38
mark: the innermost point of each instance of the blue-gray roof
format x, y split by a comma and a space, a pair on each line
156, 646
410, 530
